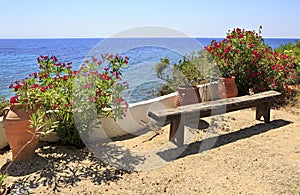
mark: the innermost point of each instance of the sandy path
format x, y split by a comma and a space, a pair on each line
249, 157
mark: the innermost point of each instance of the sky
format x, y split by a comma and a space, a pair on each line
98, 18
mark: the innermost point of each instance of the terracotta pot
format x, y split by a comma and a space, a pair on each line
16, 125
188, 95
227, 88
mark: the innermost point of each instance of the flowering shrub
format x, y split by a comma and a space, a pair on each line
292, 50
54, 88
255, 65
101, 91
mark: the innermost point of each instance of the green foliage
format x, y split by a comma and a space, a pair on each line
3, 177
192, 70
292, 50
3, 103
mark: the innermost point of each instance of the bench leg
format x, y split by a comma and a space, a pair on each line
177, 132
263, 110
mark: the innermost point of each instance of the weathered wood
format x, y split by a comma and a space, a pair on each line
179, 116
177, 132
216, 107
263, 110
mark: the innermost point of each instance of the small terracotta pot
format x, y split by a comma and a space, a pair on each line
188, 95
227, 88
18, 132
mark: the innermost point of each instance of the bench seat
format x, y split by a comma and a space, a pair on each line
178, 117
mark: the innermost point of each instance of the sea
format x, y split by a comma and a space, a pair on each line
18, 57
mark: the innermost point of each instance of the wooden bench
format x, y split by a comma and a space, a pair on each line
180, 116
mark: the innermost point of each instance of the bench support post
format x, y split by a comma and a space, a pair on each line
263, 110
177, 132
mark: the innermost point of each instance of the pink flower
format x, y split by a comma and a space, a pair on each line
92, 99
87, 86
99, 62
120, 100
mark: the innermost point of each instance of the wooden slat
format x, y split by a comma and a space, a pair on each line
217, 107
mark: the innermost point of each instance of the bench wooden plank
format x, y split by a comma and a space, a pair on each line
179, 116
205, 108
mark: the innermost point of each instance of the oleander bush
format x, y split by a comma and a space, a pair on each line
256, 66
292, 50
54, 87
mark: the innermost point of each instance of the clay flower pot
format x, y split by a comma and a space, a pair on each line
227, 88
18, 132
188, 95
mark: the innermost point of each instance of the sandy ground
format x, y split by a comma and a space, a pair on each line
245, 157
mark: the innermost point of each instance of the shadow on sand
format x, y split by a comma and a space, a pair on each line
217, 141
56, 167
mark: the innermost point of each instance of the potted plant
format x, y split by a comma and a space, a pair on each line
193, 77
3, 140
185, 76
50, 92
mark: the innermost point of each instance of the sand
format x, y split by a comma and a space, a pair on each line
246, 157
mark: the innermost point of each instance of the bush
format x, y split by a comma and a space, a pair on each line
3, 103
255, 65
53, 86
292, 50
192, 70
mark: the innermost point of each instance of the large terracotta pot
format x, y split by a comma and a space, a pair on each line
18, 132
227, 88
188, 95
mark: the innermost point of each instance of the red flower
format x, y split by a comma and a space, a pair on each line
43, 89
14, 99
227, 49
55, 59
55, 106
18, 86
34, 86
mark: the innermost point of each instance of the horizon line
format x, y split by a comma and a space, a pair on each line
134, 37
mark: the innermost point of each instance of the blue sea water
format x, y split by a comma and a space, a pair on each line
18, 58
